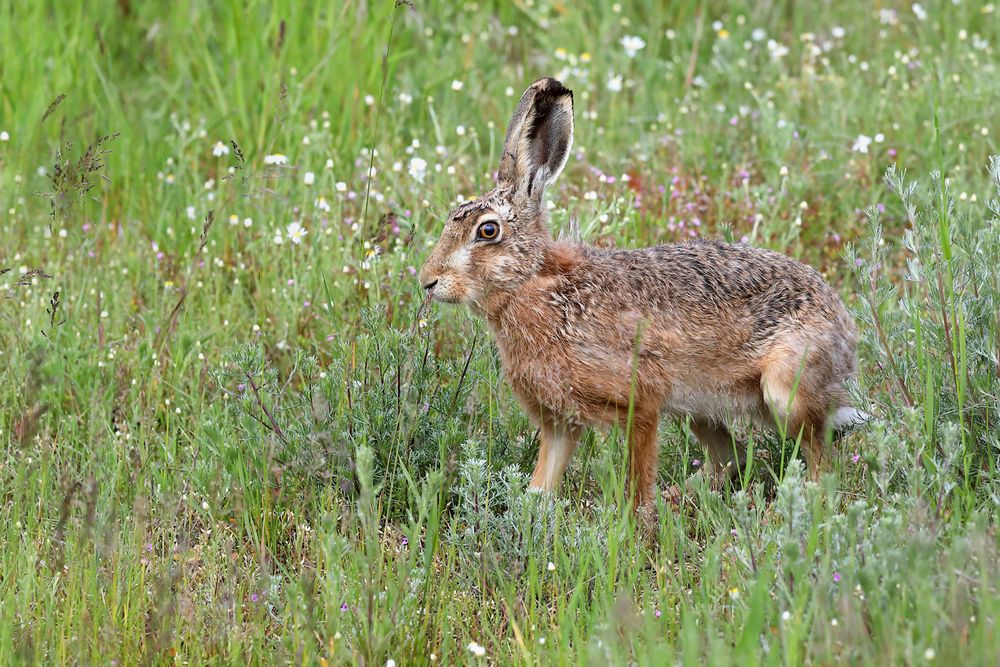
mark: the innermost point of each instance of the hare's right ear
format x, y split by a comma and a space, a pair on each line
538, 140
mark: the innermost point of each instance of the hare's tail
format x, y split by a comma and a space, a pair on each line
846, 419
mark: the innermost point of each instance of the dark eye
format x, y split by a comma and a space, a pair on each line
488, 231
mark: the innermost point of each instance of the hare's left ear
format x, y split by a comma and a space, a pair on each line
539, 138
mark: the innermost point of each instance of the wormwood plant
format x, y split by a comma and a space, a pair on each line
934, 338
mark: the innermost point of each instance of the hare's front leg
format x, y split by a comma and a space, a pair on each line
558, 442
643, 457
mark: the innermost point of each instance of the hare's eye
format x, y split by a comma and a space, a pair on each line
488, 231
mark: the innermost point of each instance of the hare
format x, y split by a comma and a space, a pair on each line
590, 337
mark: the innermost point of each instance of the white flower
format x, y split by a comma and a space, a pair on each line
758, 35
919, 11
614, 82
632, 45
406, 98
862, 143
190, 212
278, 240
778, 51
477, 650
4, 136
309, 178
322, 204
369, 100
460, 130
838, 32
276, 159
418, 169
786, 615
783, 171
456, 85
296, 232
220, 149
551, 566
929, 654
390, 663
879, 138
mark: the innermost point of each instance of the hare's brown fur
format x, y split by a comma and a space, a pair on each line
704, 329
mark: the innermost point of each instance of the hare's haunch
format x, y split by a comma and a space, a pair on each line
704, 329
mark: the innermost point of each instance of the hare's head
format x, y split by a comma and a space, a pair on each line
497, 241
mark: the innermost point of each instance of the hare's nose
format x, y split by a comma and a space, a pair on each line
431, 284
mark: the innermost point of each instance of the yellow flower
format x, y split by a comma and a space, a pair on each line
723, 34
585, 57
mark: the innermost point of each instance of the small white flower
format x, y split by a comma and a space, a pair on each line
929, 654
551, 566
477, 650
777, 50
460, 130
190, 212
309, 178
220, 149
456, 85
862, 143
783, 171
369, 100
276, 159
296, 232
405, 98
838, 32
204, 505
418, 169
919, 11
322, 204
879, 138
278, 239
758, 35
614, 82
4, 136
632, 45
390, 663
341, 186
786, 615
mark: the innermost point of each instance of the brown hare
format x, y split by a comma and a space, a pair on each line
704, 329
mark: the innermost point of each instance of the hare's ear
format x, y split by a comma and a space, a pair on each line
539, 138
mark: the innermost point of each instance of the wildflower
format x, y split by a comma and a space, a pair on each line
456, 85
786, 615
838, 32
369, 100
836, 577
585, 57
855, 458
783, 171
696, 462
253, 598
477, 650
220, 149
614, 82
929, 654
834, 622
758, 35
390, 663
309, 178
418, 169
919, 11
343, 606
723, 34
551, 566
560, 53
276, 159
4, 136
632, 45
341, 186
777, 51
862, 143
296, 232
734, 594
405, 98
657, 613
879, 138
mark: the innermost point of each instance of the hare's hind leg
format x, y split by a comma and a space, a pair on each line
725, 456
558, 442
799, 404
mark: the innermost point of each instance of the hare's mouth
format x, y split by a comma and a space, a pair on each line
430, 286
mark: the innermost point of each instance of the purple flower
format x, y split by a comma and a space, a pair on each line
405, 542
343, 607
836, 577
696, 462
855, 458
657, 613
254, 598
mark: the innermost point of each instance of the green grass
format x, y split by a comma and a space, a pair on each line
221, 449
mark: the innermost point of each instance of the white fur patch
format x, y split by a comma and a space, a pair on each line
460, 260
848, 418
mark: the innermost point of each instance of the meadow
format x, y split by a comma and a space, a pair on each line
233, 433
